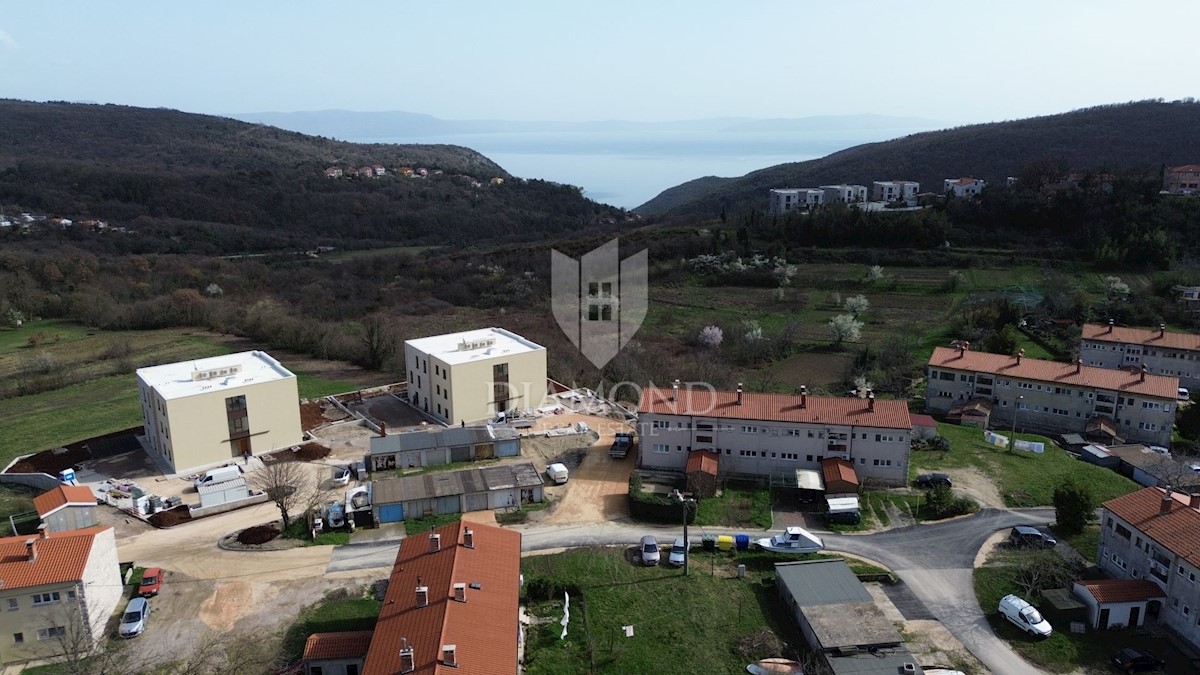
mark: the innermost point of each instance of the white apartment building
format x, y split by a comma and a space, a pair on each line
890, 191
205, 412
1151, 534
1160, 351
786, 200
963, 187
845, 194
1053, 397
764, 434
473, 375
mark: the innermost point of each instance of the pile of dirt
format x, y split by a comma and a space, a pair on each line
259, 534
309, 452
316, 413
171, 517
52, 461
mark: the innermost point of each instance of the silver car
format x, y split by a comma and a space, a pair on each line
678, 553
133, 621
649, 550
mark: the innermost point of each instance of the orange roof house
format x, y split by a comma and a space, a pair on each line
64, 495
841, 410
1141, 336
839, 476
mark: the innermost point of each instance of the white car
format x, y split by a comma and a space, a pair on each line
648, 550
1024, 616
678, 553
133, 621
341, 476
1184, 394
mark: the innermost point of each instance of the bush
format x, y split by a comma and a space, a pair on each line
1074, 505
941, 502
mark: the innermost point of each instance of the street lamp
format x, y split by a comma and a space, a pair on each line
687, 545
1016, 409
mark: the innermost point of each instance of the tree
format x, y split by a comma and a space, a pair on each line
1074, 505
941, 502
1037, 571
378, 341
711, 337
845, 328
874, 273
1187, 421
14, 317
856, 305
213, 290
288, 484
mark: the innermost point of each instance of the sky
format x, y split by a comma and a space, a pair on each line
646, 60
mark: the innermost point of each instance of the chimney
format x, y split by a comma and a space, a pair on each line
448, 657
1020, 353
1078, 366
460, 592
675, 390
1110, 325
407, 662
31, 550
1162, 330
739, 393
1164, 506
803, 396
422, 596
1194, 501
43, 532
468, 538
1142, 374
383, 428
435, 543
962, 347
870, 400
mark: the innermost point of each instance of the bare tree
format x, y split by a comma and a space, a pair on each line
76, 649
287, 483
378, 341
1174, 473
227, 654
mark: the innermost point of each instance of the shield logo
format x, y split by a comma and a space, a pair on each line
598, 300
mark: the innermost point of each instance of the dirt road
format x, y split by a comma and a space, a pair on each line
598, 489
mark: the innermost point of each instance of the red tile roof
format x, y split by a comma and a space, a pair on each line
965, 181
1186, 168
923, 421
1141, 336
846, 410
702, 460
1054, 372
1177, 530
1122, 590
344, 645
835, 469
61, 558
483, 629
52, 500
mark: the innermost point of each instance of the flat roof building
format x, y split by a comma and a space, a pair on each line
204, 412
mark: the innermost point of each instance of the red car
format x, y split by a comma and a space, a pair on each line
151, 582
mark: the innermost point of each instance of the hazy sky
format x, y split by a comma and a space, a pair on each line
610, 59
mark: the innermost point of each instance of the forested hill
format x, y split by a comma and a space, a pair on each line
1140, 135
212, 184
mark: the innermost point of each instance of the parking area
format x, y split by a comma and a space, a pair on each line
391, 410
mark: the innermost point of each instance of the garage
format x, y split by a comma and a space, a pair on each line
391, 513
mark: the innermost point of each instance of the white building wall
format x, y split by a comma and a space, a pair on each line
102, 586
1181, 363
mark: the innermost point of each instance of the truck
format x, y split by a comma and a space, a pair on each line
622, 443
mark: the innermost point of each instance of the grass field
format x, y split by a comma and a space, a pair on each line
342, 256
1023, 478
736, 508
335, 613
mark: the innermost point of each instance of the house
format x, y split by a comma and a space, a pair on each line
844, 194
839, 619
437, 494
701, 473
1188, 297
452, 604
773, 434
496, 180
786, 200
378, 170
1154, 534
333, 172
60, 588
963, 187
924, 427
474, 375
442, 446
892, 191
405, 171
1117, 601
976, 412
204, 412
66, 507
1182, 180
1051, 397
340, 653
1162, 352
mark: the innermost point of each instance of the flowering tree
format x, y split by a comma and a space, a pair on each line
711, 337
845, 328
856, 305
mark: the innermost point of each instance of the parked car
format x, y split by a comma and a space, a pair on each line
151, 582
648, 550
1024, 616
1023, 536
341, 476
133, 621
557, 473
1184, 394
678, 553
932, 480
1133, 660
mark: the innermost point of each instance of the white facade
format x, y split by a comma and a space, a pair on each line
890, 191
963, 187
473, 375
205, 412
1161, 352
845, 194
786, 200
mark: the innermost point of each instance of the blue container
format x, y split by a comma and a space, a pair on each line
742, 541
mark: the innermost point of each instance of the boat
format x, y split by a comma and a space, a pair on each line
775, 667
792, 540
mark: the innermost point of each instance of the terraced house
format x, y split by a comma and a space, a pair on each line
765, 434
1053, 397
1160, 351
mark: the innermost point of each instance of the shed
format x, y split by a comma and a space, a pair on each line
397, 499
512, 484
431, 447
1102, 430
924, 427
701, 473
839, 476
1099, 455
1119, 601
974, 413
66, 507
215, 494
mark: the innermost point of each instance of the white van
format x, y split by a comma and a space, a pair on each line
557, 473
219, 475
1184, 394
1024, 616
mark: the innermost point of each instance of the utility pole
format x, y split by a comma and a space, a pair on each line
1012, 444
687, 544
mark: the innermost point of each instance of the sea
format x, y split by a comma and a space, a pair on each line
627, 169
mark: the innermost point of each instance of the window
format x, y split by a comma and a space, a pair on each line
315, 670
1123, 532
235, 403
662, 447
660, 424
13, 604
51, 633
46, 598
352, 669
1118, 561
704, 439
18, 638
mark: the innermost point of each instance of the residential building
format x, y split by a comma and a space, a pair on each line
340, 653
333, 172
379, 169
60, 588
1160, 351
441, 446
66, 507
474, 375
1188, 297
1053, 397
1182, 180
201, 413
845, 194
891, 191
1154, 534
786, 200
452, 604
420, 496
1111, 602
773, 434
963, 187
